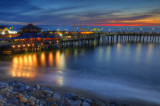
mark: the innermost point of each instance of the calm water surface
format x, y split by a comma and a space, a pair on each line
115, 70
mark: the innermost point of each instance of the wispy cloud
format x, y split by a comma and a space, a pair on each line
74, 12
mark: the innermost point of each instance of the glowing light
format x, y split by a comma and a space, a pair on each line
3, 33
28, 45
60, 34
24, 45
19, 46
13, 46
12, 32
87, 32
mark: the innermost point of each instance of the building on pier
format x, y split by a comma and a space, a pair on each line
30, 31
4, 30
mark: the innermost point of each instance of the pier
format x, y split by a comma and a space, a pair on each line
32, 39
84, 40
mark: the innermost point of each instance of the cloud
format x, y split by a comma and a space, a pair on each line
11, 23
74, 12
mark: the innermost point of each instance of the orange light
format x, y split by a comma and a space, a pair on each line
68, 36
28, 44
87, 32
13, 46
24, 45
19, 45
32, 44
57, 41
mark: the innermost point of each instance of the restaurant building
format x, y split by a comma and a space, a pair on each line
30, 31
4, 30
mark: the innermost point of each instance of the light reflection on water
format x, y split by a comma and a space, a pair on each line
138, 51
150, 51
31, 66
119, 46
108, 53
124, 64
22, 65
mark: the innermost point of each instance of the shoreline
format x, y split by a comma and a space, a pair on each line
57, 96
17, 92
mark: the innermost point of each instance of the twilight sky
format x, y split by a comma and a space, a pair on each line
90, 12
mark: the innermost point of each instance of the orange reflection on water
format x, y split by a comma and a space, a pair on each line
29, 60
22, 73
43, 59
22, 66
20, 60
25, 60
34, 59
15, 60
26, 66
57, 57
50, 57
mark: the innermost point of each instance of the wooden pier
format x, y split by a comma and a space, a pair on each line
88, 40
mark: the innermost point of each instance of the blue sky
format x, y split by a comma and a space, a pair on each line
69, 12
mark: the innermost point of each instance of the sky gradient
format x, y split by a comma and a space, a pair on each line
90, 12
